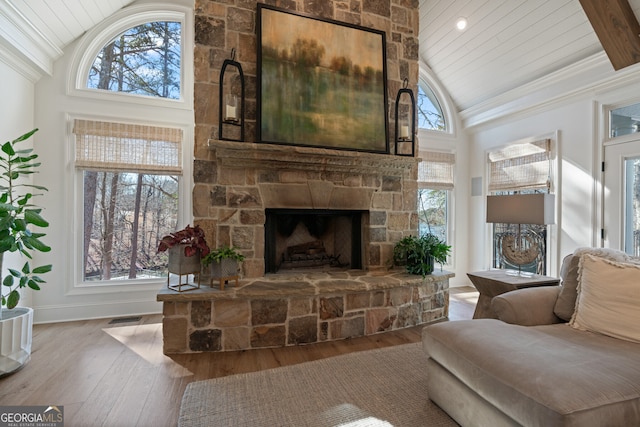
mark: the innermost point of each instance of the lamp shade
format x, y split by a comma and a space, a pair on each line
521, 209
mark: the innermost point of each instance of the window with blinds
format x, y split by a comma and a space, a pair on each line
127, 147
435, 171
520, 167
129, 177
435, 182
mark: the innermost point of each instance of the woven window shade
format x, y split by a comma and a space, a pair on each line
520, 166
111, 146
435, 171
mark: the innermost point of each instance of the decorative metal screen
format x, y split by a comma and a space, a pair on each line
524, 250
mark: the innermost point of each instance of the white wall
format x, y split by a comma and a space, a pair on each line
16, 118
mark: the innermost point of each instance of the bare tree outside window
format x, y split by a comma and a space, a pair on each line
144, 60
126, 212
432, 212
130, 215
429, 111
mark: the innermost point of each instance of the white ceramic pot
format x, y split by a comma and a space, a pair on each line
16, 327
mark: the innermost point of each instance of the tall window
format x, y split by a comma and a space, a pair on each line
129, 179
430, 114
435, 183
520, 168
128, 174
144, 60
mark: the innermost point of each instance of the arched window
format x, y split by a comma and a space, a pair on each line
430, 115
131, 165
143, 60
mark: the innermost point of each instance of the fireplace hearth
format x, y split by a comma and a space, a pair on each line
321, 239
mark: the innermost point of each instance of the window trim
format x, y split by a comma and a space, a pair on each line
607, 110
426, 76
553, 230
78, 286
93, 41
112, 106
451, 206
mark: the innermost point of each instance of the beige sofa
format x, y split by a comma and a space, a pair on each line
566, 367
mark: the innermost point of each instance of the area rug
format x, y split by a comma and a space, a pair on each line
382, 388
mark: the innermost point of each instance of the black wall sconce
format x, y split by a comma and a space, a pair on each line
231, 111
405, 123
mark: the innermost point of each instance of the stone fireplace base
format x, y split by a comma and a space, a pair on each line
300, 308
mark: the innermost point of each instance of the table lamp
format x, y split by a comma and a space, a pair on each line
536, 208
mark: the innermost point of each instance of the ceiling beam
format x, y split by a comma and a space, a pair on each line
617, 28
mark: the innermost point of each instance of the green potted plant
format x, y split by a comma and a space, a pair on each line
18, 215
418, 254
224, 264
185, 250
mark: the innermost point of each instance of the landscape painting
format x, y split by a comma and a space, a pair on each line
321, 83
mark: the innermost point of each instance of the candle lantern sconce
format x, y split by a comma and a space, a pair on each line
405, 142
231, 111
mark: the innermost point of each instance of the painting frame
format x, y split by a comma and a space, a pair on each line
335, 94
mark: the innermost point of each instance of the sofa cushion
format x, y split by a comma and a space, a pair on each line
527, 306
608, 298
565, 305
550, 375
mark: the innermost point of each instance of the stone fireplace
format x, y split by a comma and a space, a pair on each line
311, 195
236, 182
370, 197
331, 217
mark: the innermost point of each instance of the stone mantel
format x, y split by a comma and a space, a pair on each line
274, 156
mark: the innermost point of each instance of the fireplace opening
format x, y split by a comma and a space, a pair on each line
312, 239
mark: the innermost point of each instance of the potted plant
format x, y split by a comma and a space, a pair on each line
224, 263
418, 254
185, 249
18, 215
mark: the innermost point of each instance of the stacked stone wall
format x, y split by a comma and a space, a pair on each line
279, 313
230, 193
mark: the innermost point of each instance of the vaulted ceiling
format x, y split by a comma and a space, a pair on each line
507, 44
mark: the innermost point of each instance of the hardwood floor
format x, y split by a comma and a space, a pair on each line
116, 375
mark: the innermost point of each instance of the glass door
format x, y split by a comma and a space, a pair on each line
621, 212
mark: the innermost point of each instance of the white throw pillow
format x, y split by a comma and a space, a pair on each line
608, 298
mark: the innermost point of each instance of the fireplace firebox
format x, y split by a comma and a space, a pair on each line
304, 239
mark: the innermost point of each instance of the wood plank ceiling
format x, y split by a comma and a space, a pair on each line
507, 44
63, 21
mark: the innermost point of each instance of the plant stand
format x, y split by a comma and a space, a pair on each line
16, 327
223, 271
183, 266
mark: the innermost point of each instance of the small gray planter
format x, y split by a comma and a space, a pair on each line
223, 271
183, 266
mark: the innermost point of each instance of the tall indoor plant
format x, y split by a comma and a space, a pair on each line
18, 216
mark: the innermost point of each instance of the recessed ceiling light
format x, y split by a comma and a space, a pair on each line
461, 24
